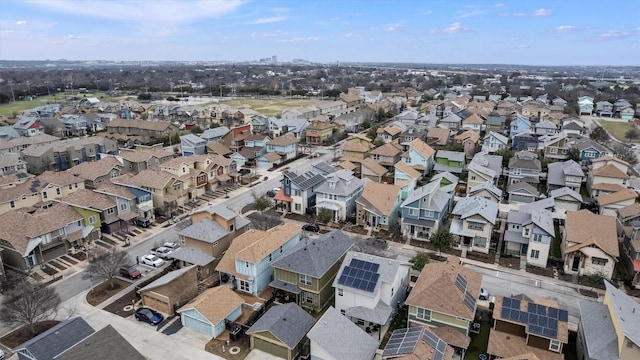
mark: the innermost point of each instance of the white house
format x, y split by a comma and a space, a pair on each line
474, 218
529, 234
339, 193
494, 141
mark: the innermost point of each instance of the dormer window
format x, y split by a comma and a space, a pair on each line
332, 184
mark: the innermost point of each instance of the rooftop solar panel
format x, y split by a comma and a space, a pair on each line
402, 341
438, 356
506, 302
543, 321
542, 310
469, 301
523, 317
505, 313
553, 324
563, 315
531, 307
515, 304
533, 319
461, 283
442, 346
553, 313
430, 338
550, 333
535, 329
514, 315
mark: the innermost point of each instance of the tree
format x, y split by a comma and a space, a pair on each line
106, 265
144, 97
28, 304
574, 154
324, 216
506, 154
599, 134
632, 134
625, 153
441, 240
419, 261
372, 133
262, 203
196, 130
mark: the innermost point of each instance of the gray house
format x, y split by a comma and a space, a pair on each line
567, 173
214, 134
299, 194
522, 191
55, 341
191, 144
339, 194
524, 166
529, 233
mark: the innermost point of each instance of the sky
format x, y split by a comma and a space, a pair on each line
529, 32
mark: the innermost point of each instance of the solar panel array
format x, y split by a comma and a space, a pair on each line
360, 275
469, 301
541, 320
436, 343
402, 341
461, 283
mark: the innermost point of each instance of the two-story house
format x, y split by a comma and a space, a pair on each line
142, 129
306, 272
585, 105
589, 244
484, 167
295, 126
607, 170
378, 206
565, 174
387, 155
370, 169
299, 191
630, 246
167, 190
487, 190
545, 127
286, 146
527, 328
405, 176
339, 193
125, 203
469, 140
444, 296
494, 141
519, 125
369, 289
524, 166
141, 159
195, 179
451, 122
529, 233
248, 259
357, 147
608, 204
451, 161
412, 133
96, 173
420, 156
555, 147
604, 109
216, 134
474, 218
389, 133
605, 331
100, 209
474, 122
590, 150
424, 209
437, 136
319, 132
191, 144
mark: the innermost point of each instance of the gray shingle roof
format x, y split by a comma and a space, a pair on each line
57, 339
525, 160
168, 277
324, 167
559, 170
522, 186
205, 230
565, 191
192, 256
601, 341
315, 257
474, 205
451, 155
346, 183
215, 133
587, 143
341, 338
106, 344
221, 210
491, 162
627, 311
435, 198
487, 185
287, 322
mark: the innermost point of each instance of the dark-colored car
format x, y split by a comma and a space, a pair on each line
244, 171
149, 316
271, 193
143, 222
311, 227
130, 271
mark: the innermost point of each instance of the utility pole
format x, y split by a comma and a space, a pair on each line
12, 93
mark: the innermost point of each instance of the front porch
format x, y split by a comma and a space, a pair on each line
418, 229
336, 210
375, 322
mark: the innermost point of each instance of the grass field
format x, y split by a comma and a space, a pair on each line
618, 129
269, 107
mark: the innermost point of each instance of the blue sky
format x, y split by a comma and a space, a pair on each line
581, 32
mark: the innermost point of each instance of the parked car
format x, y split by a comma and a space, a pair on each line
142, 222
162, 252
273, 192
311, 227
152, 260
130, 271
149, 316
244, 171
484, 294
171, 245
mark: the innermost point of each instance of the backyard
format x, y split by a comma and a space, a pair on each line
11, 109
479, 342
618, 129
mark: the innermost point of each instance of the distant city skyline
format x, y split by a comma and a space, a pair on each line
588, 32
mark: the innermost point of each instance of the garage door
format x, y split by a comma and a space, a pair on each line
196, 324
270, 348
156, 303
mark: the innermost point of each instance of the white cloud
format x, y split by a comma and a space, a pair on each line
275, 33
611, 34
426, 12
463, 15
454, 28
73, 37
21, 22
351, 36
523, 46
564, 28
519, 14
268, 20
393, 27
542, 12
337, 18
499, 5
299, 39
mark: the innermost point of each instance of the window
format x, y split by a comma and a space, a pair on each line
525, 231
554, 345
76, 185
58, 191
343, 312
244, 286
630, 344
535, 254
516, 171
298, 207
480, 241
123, 206
12, 204
598, 261
111, 211
306, 280
553, 150
246, 264
215, 243
44, 194
309, 298
475, 226
537, 237
413, 212
340, 292
423, 314
92, 219
231, 227
70, 187
429, 213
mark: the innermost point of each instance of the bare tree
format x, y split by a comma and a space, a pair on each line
370, 247
624, 153
265, 221
106, 265
29, 304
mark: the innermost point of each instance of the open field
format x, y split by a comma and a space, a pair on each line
11, 109
269, 107
618, 129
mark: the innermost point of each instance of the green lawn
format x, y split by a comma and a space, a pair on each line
618, 129
479, 342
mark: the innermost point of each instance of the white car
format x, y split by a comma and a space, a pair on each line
171, 245
162, 252
484, 294
152, 260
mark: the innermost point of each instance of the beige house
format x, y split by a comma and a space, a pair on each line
469, 140
171, 291
589, 244
371, 170
213, 311
607, 170
378, 206
387, 155
437, 136
98, 172
167, 190
357, 147
143, 158
610, 203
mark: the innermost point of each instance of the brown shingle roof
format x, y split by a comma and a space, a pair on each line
586, 228
139, 124
422, 148
474, 119
358, 145
373, 166
60, 178
119, 191
216, 147
94, 169
26, 188
607, 187
254, 245
215, 304
610, 158
615, 197
140, 155
89, 199
506, 345
380, 196
348, 165
405, 168
389, 149
629, 211
610, 171
150, 178
435, 289
469, 134
284, 140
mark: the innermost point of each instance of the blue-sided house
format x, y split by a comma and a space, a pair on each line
425, 208
519, 125
210, 312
